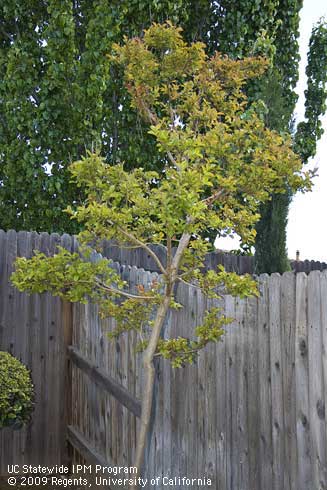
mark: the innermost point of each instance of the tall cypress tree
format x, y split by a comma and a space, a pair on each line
272, 28
271, 250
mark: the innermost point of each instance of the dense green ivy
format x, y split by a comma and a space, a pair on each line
310, 131
60, 96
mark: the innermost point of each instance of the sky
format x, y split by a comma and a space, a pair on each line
306, 231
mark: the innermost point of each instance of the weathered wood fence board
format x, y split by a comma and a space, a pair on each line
304, 464
36, 329
105, 382
317, 418
251, 414
232, 262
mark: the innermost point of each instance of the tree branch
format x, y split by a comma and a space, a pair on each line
186, 282
123, 293
182, 245
154, 120
211, 199
169, 252
147, 395
142, 245
6, 33
125, 247
190, 351
183, 274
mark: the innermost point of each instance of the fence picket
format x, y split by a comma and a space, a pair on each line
288, 367
323, 292
304, 460
277, 422
317, 418
265, 459
221, 415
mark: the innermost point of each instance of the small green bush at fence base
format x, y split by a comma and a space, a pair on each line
16, 392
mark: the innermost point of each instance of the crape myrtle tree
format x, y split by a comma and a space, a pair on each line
220, 163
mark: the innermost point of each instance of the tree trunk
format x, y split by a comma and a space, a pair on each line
147, 395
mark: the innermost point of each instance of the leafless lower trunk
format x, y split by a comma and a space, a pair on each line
147, 395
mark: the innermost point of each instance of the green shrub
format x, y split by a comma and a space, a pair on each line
16, 392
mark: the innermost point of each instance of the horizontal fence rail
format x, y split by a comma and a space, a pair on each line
78, 441
104, 381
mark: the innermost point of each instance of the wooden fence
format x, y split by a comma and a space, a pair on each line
241, 264
250, 415
37, 330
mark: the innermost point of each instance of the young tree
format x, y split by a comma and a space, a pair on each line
220, 163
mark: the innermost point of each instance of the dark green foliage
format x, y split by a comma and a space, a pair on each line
287, 56
277, 91
270, 91
59, 97
271, 252
310, 131
270, 243
16, 392
279, 95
